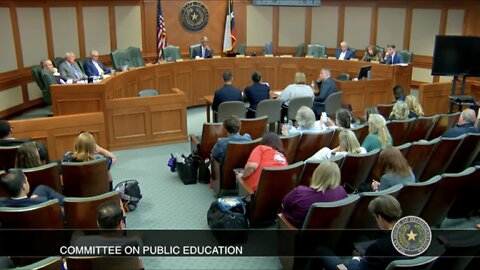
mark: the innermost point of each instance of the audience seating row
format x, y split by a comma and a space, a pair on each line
432, 200
75, 179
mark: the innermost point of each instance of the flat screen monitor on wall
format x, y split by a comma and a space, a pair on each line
456, 55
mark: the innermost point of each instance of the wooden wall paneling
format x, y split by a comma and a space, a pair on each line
218, 68
286, 74
164, 80
77, 99
16, 36
113, 27
341, 23
240, 14
60, 132
183, 79
408, 28
162, 126
308, 27
128, 125
149, 10
81, 30
373, 29
49, 34
269, 73
243, 69
146, 80
276, 28
203, 78
434, 97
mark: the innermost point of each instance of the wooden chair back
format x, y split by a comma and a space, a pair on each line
356, 169
290, 144
414, 196
464, 206
421, 128
254, 126
444, 195
49, 263
210, 134
360, 218
8, 155
236, 157
400, 129
385, 110
310, 143
309, 168
81, 212
419, 156
47, 215
48, 174
444, 123
443, 154
274, 184
85, 179
361, 132
404, 148
466, 153
331, 215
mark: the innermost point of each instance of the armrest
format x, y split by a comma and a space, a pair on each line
283, 223
194, 144
244, 189
341, 267
252, 110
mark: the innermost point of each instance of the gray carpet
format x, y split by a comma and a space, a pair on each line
169, 204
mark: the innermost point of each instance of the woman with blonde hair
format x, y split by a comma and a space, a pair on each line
399, 111
414, 106
86, 149
348, 145
28, 156
324, 187
378, 135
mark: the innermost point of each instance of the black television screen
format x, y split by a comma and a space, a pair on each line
456, 55
364, 72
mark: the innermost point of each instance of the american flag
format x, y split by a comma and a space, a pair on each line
229, 38
161, 31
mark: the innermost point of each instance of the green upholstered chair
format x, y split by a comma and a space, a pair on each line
299, 50
317, 50
121, 58
380, 50
241, 49
81, 62
193, 48
171, 53
343, 77
57, 61
37, 76
406, 55
136, 56
423, 262
49, 263
268, 48
148, 93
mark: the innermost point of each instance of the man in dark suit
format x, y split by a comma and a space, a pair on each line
344, 52
8, 139
93, 67
464, 125
392, 57
204, 50
16, 184
255, 93
227, 92
326, 86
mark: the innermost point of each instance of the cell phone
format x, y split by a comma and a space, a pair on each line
324, 116
238, 170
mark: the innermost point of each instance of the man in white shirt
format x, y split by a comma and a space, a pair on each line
204, 50
93, 67
344, 52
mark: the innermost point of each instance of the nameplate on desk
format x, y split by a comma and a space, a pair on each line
375, 62
332, 57
268, 55
216, 56
308, 56
240, 55
353, 59
179, 60
286, 56
277, 93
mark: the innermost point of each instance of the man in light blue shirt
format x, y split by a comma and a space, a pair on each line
232, 126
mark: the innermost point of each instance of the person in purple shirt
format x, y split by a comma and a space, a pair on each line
324, 187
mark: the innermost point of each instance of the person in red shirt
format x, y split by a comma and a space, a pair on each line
269, 153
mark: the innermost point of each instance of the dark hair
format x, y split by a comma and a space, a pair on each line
28, 156
391, 46
369, 111
398, 91
13, 182
227, 76
344, 118
256, 77
232, 124
109, 215
273, 140
4, 128
387, 207
392, 160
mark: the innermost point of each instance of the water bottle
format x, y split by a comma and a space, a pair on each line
313, 85
286, 123
369, 75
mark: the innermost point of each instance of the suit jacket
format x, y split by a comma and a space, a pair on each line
226, 93
91, 70
327, 88
256, 93
397, 59
66, 71
460, 130
348, 54
198, 52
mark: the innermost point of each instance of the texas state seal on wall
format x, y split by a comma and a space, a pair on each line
193, 16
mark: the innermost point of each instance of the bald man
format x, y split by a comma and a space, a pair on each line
204, 50
344, 52
93, 67
70, 70
464, 125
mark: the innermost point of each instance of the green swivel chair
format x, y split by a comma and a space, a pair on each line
171, 53
299, 50
121, 59
241, 49
136, 56
406, 55
192, 48
317, 50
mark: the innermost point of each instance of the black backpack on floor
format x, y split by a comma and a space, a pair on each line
129, 193
228, 221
